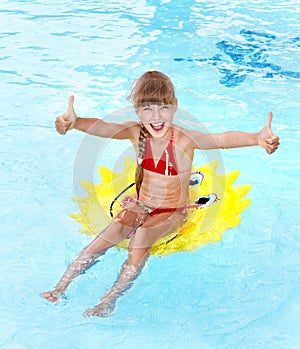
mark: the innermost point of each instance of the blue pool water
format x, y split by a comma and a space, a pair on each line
231, 62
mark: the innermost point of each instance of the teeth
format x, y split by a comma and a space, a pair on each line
159, 124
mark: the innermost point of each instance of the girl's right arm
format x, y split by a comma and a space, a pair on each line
234, 139
93, 126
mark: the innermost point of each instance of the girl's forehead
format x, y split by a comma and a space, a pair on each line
154, 103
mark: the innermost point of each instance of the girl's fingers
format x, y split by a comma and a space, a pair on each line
272, 144
71, 103
273, 140
61, 125
269, 119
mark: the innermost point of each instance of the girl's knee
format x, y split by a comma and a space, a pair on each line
141, 239
114, 233
97, 247
138, 256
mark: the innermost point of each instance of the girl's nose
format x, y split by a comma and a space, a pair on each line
156, 113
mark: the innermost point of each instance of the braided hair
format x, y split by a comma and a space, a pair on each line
139, 172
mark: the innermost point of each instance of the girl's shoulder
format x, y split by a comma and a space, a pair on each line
181, 133
183, 138
134, 129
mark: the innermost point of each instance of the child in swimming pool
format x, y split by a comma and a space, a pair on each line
164, 160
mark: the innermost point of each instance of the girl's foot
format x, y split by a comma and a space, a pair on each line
102, 310
52, 296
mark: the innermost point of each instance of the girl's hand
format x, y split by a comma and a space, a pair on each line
266, 137
66, 121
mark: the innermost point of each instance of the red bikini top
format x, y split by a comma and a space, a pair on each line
167, 164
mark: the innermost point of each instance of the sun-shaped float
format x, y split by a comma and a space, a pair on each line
203, 226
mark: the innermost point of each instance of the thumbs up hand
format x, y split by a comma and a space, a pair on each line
266, 137
66, 121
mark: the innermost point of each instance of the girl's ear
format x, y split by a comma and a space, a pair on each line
137, 111
176, 105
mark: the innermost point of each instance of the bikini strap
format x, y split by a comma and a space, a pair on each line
172, 135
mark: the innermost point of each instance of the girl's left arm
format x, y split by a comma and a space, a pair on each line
234, 139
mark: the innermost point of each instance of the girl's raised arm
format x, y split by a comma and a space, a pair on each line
97, 127
234, 139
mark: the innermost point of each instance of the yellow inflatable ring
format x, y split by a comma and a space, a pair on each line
204, 225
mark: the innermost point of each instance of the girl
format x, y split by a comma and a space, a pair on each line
164, 161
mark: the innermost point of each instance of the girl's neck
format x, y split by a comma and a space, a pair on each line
165, 139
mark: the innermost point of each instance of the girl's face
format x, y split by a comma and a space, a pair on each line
157, 118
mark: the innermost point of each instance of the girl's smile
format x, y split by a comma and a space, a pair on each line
157, 126
157, 118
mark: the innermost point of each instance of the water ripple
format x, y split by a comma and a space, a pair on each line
237, 59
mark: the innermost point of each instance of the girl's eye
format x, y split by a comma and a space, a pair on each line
147, 108
164, 106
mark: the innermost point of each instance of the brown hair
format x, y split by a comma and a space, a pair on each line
153, 87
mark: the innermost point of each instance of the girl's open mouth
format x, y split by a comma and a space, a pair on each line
158, 126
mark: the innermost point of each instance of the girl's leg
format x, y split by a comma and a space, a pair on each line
113, 234
129, 271
140, 246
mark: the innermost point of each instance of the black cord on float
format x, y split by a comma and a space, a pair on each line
117, 197
193, 182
